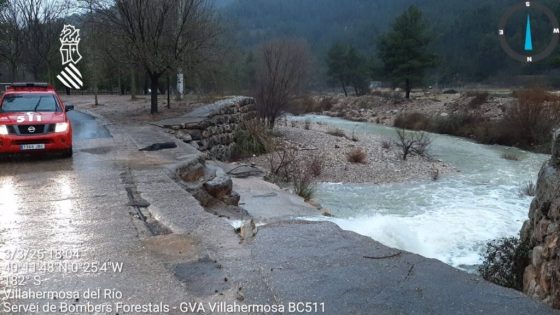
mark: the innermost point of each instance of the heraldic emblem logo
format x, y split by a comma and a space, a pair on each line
70, 76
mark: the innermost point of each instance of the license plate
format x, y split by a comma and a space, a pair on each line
32, 147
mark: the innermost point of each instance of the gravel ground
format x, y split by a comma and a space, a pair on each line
383, 165
384, 109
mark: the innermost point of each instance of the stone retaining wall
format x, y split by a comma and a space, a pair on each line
541, 232
212, 128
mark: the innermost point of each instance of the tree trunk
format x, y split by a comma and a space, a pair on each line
132, 84
13, 72
168, 91
344, 89
154, 83
408, 88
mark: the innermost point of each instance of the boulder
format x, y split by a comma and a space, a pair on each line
220, 186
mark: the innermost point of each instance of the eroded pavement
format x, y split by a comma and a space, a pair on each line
114, 219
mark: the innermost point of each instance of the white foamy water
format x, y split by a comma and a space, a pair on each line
451, 219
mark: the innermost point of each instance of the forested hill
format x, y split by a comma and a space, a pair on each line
464, 31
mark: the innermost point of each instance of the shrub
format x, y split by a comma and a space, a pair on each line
510, 156
357, 155
504, 262
529, 188
281, 163
304, 185
435, 174
252, 137
386, 144
413, 143
285, 167
413, 121
354, 137
315, 165
326, 103
337, 132
531, 119
478, 99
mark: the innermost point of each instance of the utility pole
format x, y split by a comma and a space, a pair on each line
93, 54
180, 76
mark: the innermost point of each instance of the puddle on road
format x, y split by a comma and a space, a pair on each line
85, 127
97, 150
203, 277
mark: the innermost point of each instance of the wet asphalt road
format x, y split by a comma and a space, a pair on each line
66, 229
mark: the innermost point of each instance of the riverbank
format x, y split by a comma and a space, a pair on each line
382, 162
522, 119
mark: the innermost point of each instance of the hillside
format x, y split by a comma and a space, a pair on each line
464, 31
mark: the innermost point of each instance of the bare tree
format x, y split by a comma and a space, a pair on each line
41, 22
11, 37
283, 70
29, 31
412, 143
161, 35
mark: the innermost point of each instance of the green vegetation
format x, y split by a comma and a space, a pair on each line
463, 32
347, 67
404, 50
252, 138
504, 262
529, 189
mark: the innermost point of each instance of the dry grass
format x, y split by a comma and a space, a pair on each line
529, 188
357, 155
510, 156
386, 144
303, 182
316, 165
478, 99
531, 120
337, 132
413, 121
252, 137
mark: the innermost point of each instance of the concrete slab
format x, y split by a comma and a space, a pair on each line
265, 201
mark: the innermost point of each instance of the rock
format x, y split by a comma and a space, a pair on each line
530, 281
191, 172
555, 160
248, 230
203, 197
232, 199
182, 135
536, 259
444, 114
541, 231
219, 187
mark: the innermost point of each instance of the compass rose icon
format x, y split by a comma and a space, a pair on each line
528, 14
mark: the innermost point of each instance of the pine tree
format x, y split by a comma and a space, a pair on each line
404, 50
